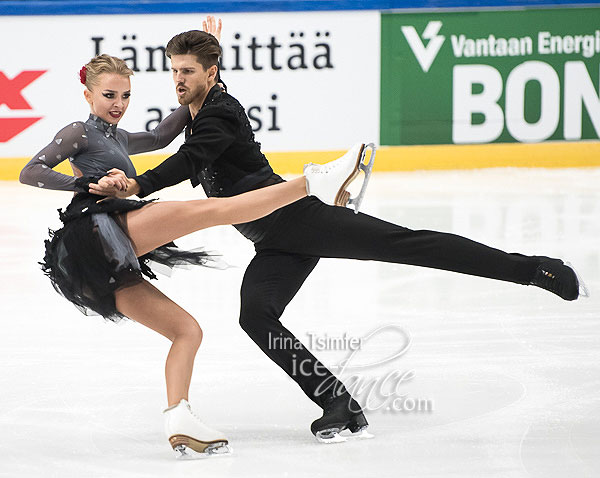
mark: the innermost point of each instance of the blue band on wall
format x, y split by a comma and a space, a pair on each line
101, 7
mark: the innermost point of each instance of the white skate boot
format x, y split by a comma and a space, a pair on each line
329, 182
191, 438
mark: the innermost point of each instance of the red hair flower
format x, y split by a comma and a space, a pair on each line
82, 75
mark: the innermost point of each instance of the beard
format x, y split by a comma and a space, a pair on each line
191, 95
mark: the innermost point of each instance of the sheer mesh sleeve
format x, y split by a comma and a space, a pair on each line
166, 131
68, 142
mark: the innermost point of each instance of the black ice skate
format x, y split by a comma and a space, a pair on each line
560, 279
340, 413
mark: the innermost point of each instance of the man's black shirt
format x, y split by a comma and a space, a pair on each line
220, 153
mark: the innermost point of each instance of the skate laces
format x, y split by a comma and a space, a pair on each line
195, 416
318, 168
324, 168
192, 413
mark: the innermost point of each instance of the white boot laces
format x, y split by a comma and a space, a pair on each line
192, 412
194, 415
323, 168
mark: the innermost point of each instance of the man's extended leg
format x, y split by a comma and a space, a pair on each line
270, 282
310, 227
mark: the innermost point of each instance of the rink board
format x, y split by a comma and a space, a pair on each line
405, 158
312, 87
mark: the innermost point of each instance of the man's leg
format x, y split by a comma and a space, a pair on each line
313, 228
271, 280
309, 229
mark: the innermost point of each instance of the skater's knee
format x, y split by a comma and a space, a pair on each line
255, 312
253, 324
190, 331
246, 324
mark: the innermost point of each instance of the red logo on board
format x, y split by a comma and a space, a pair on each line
11, 96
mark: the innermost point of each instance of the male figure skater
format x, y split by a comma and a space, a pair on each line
221, 154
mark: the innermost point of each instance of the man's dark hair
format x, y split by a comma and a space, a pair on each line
202, 45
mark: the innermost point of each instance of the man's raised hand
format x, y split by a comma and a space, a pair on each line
211, 26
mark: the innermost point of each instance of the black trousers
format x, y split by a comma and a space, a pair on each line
289, 244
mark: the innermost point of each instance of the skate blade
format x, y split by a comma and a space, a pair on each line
329, 436
361, 434
185, 453
343, 196
583, 290
189, 448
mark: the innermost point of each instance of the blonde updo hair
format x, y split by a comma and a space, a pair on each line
102, 64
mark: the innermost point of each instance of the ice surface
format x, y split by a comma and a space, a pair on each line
512, 372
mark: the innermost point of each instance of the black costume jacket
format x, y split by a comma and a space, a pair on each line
220, 153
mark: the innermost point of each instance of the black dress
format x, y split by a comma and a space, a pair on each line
91, 256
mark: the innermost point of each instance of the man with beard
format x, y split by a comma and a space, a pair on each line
221, 154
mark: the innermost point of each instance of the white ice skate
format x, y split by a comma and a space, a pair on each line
191, 438
329, 182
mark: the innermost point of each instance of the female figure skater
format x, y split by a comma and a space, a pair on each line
97, 260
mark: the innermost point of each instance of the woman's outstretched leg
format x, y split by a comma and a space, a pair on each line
162, 222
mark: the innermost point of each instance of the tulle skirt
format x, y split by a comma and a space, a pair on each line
91, 256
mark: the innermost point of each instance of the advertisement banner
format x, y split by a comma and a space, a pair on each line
490, 76
308, 81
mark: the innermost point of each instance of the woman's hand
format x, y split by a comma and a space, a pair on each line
119, 179
211, 26
115, 184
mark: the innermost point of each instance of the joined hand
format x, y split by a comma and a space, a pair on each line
115, 184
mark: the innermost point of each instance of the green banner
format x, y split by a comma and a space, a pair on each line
490, 76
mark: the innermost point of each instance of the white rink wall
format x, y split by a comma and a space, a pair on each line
308, 80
